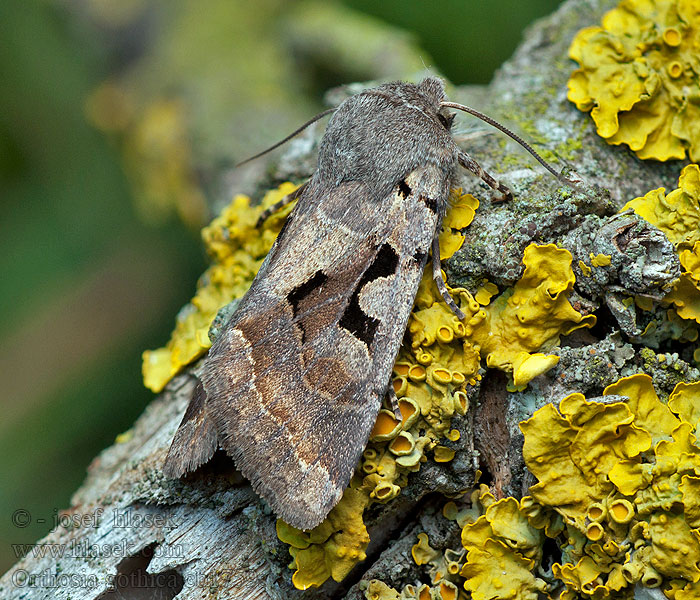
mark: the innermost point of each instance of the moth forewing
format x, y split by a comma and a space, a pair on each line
295, 383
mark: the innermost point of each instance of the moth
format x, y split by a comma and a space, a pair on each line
292, 386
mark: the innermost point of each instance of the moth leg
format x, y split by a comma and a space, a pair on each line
393, 401
271, 210
440, 282
470, 164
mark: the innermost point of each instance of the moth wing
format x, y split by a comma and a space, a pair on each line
195, 440
295, 381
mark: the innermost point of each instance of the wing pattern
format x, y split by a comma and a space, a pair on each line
294, 382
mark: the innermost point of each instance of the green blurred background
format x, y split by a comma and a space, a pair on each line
119, 121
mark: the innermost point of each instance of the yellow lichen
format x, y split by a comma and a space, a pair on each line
638, 76
585, 269
494, 571
650, 413
625, 477
448, 591
378, 590
443, 567
485, 293
454, 435
685, 294
500, 550
403, 444
531, 317
568, 456
600, 260
686, 591
526, 368
443, 454
621, 510
685, 402
461, 213
690, 261
508, 332
676, 214
332, 548
422, 552
386, 427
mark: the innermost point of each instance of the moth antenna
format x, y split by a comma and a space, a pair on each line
289, 137
509, 133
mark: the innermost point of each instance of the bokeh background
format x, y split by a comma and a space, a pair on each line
120, 121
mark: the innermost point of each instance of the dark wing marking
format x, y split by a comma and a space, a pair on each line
295, 381
354, 319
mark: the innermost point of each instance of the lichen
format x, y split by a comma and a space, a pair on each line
508, 332
462, 208
422, 552
600, 260
531, 317
678, 216
621, 476
585, 269
378, 590
685, 294
618, 491
503, 549
332, 548
499, 555
639, 77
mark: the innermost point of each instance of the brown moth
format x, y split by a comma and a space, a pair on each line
292, 386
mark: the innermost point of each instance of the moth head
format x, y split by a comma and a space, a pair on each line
433, 89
